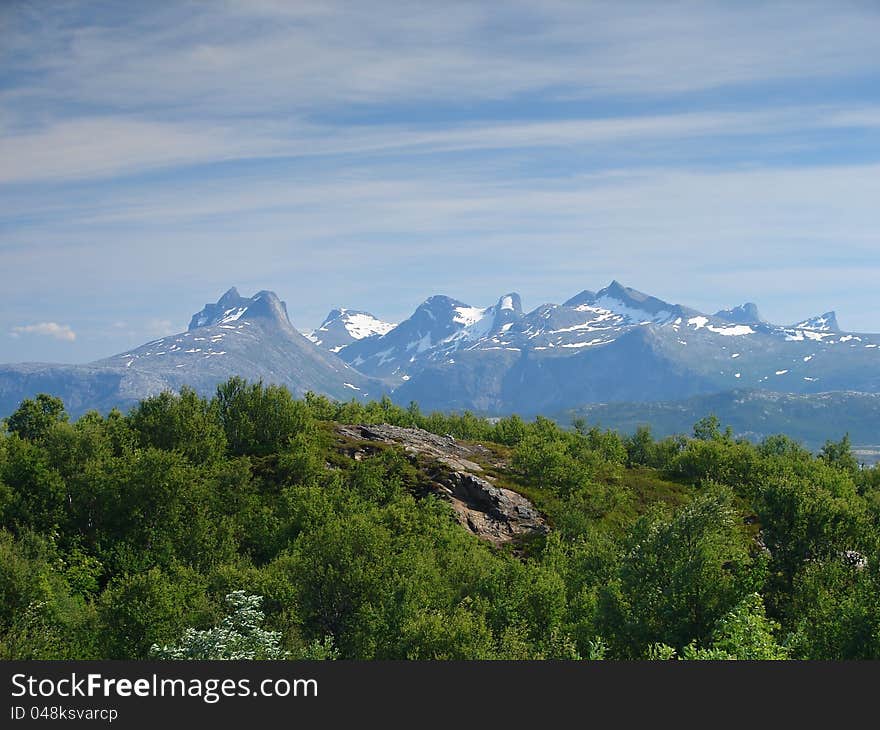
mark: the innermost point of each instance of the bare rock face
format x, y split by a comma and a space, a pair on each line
493, 513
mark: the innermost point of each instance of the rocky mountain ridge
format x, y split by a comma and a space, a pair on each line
250, 337
616, 345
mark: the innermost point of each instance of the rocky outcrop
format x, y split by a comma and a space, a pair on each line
493, 513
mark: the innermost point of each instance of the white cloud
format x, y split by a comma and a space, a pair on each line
416, 147
111, 146
699, 236
177, 85
101, 147
245, 58
48, 329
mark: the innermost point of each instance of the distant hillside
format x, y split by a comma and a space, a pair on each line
752, 414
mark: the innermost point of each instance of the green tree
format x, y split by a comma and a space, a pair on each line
341, 569
151, 607
34, 418
185, 423
509, 430
155, 508
37, 496
782, 446
640, 448
836, 614
708, 428
40, 615
840, 455
680, 574
811, 513
259, 420
743, 633
461, 634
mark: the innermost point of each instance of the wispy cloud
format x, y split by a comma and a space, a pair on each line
368, 154
106, 147
47, 329
471, 234
244, 58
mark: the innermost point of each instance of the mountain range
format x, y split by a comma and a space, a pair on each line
612, 346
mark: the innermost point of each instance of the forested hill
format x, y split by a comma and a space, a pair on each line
753, 414
318, 529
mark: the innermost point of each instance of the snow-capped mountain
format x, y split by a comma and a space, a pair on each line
441, 327
821, 323
614, 345
438, 327
250, 337
344, 326
232, 306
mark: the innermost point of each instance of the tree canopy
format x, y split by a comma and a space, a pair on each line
239, 526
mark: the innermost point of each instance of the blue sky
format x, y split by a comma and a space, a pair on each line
369, 155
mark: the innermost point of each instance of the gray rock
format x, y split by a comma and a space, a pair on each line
743, 314
493, 513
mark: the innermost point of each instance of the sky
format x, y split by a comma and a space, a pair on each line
369, 155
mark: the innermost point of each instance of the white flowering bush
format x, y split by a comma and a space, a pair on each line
239, 636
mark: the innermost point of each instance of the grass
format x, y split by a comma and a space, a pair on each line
650, 486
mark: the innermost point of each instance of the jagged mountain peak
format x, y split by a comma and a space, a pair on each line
439, 302
447, 312
438, 327
614, 344
826, 322
585, 297
462, 313
250, 337
507, 310
231, 307
628, 295
743, 314
511, 302
231, 296
344, 326
634, 305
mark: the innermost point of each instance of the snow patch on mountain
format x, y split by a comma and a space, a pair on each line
342, 326
731, 330
363, 324
633, 315
736, 330
233, 315
822, 323
468, 315
232, 307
